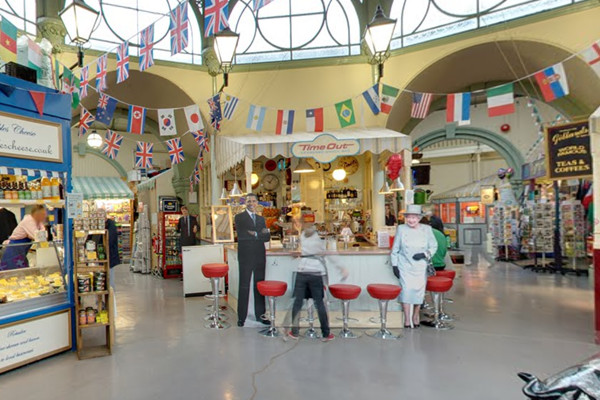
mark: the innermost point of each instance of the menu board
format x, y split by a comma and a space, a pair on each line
568, 152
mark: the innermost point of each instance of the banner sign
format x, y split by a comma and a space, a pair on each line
534, 169
34, 139
34, 339
568, 152
326, 148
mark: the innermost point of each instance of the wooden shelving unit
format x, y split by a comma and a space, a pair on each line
102, 298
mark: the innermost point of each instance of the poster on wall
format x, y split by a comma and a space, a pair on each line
487, 194
568, 152
74, 205
34, 139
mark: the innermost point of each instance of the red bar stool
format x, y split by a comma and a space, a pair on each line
345, 293
446, 274
271, 290
215, 272
438, 285
384, 293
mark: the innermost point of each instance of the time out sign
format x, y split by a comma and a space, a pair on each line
325, 148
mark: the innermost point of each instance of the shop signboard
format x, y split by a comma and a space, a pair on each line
487, 194
33, 139
326, 148
534, 169
568, 153
34, 339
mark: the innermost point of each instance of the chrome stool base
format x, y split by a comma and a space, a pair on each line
447, 317
311, 333
437, 322
347, 334
270, 332
211, 317
217, 325
211, 308
382, 334
439, 325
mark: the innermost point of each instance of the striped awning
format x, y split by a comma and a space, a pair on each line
231, 150
101, 187
34, 173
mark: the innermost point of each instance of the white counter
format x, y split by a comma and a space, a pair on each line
364, 265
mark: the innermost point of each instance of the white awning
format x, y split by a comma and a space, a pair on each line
233, 149
470, 191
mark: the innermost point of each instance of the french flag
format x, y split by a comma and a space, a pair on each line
458, 108
553, 82
285, 122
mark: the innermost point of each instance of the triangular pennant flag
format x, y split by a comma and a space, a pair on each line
7, 89
38, 99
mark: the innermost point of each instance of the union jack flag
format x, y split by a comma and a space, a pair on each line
112, 144
214, 103
123, 62
143, 155
175, 150
199, 138
178, 28
85, 121
196, 175
84, 82
101, 73
216, 13
146, 48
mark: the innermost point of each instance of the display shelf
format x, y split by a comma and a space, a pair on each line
505, 228
24, 203
572, 222
88, 301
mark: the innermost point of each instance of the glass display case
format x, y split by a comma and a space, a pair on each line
472, 213
32, 277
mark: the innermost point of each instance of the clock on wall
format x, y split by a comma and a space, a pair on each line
349, 164
270, 182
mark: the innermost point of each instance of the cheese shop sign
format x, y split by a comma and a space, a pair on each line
568, 152
326, 148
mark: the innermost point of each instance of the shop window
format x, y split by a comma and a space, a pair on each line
424, 20
472, 213
122, 20
293, 30
448, 213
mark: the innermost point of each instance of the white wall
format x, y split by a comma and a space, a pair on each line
523, 132
92, 165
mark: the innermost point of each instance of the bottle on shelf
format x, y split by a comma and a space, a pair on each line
55, 188
46, 188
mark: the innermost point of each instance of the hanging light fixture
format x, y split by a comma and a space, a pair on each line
94, 140
378, 36
397, 185
223, 194
303, 167
236, 191
79, 20
225, 44
385, 189
339, 174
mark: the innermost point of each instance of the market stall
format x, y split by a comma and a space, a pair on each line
36, 287
112, 195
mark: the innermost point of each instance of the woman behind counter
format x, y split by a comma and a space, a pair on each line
15, 257
413, 245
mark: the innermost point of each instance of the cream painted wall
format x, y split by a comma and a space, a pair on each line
302, 88
450, 172
523, 132
92, 165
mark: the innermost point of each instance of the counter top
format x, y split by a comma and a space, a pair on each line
363, 251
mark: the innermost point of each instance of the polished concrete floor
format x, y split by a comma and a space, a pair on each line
510, 320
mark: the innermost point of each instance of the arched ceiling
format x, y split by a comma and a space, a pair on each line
489, 64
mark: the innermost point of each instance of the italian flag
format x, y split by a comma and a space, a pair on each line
501, 100
388, 96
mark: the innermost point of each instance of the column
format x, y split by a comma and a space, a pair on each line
378, 210
248, 170
595, 148
406, 174
215, 183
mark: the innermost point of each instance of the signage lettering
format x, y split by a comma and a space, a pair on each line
326, 148
568, 151
23, 137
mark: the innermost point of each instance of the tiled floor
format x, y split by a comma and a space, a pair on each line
510, 320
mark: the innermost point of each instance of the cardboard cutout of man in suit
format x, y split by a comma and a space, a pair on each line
187, 226
252, 234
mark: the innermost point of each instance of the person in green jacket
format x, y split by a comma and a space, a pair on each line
438, 259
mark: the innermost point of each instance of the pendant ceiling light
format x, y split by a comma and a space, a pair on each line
385, 189
303, 167
397, 185
236, 191
224, 194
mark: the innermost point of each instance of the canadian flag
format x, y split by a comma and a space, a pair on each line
193, 117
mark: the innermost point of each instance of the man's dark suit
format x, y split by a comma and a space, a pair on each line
252, 259
184, 227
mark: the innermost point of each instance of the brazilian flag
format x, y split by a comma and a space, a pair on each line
345, 113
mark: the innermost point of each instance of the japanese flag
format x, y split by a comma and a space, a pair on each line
194, 120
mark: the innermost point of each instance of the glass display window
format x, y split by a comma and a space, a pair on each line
448, 213
472, 213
